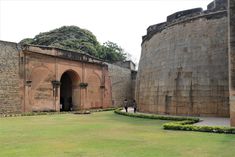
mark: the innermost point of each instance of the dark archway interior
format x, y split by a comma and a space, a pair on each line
66, 93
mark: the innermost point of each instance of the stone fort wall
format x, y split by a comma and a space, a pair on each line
10, 100
122, 84
183, 68
232, 60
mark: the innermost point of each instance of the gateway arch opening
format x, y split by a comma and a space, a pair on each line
69, 91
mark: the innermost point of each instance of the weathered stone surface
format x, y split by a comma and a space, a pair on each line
43, 65
218, 5
183, 68
121, 84
216, 10
10, 100
232, 60
40, 78
126, 64
207, 14
179, 14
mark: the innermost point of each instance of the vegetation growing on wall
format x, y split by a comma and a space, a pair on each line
77, 39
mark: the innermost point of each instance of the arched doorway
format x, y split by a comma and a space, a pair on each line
69, 91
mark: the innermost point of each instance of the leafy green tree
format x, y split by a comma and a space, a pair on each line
77, 39
27, 41
111, 52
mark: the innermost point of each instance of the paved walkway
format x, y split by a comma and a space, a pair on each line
214, 121
208, 121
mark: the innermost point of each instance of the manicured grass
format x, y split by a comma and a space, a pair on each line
105, 134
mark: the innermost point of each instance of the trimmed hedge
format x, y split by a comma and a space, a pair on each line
103, 109
185, 125
53, 112
31, 114
181, 123
153, 116
93, 110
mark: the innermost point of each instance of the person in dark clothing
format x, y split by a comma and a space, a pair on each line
61, 103
70, 103
125, 104
134, 105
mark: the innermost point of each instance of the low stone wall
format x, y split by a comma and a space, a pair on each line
10, 100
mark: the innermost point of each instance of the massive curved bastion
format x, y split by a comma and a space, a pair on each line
183, 68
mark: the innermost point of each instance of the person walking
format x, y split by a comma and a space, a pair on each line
134, 105
125, 104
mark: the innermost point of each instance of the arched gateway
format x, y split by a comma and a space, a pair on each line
69, 91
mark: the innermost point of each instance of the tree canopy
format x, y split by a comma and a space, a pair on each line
110, 51
77, 39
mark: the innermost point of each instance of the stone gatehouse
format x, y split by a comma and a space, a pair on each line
39, 78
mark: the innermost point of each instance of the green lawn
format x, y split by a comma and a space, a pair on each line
105, 134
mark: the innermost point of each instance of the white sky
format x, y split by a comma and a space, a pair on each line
123, 22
